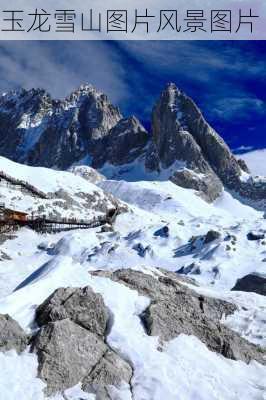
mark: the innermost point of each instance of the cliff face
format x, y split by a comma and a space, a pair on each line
180, 133
173, 141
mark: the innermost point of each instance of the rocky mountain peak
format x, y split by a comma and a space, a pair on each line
24, 100
84, 91
173, 145
59, 133
181, 133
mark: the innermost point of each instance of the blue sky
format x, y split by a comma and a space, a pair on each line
226, 79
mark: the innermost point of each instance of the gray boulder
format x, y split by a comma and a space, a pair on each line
71, 344
81, 305
141, 250
66, 354
211, 236
176, 309
162, 232
166, 320
111, 370
12, 335
252, 236
255, 283
192, 268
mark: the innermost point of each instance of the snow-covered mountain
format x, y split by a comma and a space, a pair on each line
166, 300
86, 128
40, 131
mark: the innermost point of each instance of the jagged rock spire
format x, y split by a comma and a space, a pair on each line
181, 133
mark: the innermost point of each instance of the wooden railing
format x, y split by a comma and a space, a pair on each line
45, 224
23, 184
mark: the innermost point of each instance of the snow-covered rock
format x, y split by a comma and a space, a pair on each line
255, 283
88, 173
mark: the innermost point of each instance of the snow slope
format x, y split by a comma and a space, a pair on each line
45, 179
256, 161
221, 262
184, 369
69, 195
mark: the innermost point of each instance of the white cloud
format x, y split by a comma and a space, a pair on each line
60, 67
228, 108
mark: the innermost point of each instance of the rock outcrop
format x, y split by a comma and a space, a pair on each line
82, 306
175, 309
255, 283
71, 344
253, 236
66, 353
111, 370
89, 174
12, 335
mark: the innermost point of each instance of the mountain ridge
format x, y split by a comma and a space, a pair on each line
86, 127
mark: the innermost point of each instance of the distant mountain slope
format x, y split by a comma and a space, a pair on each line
256, 161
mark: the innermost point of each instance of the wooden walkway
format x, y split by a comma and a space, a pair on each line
48, 225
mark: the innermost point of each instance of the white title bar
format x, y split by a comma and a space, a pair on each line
133, 20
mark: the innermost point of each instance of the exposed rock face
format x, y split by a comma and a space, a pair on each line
125, 142
82, 306
111, 370
87, 173
71, 344
52, 133
173, 142
12, 335
20, 110
255, 236
208, 186
176, 309
243, 165
66, 353
180, 133
252, 283
211, 236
